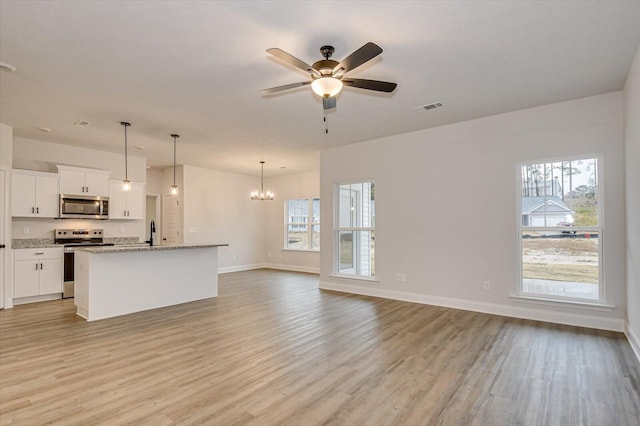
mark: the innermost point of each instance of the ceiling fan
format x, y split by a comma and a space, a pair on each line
327, 75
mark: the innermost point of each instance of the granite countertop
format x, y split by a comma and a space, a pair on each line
30, 243
144, 247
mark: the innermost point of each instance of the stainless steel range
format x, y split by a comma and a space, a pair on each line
72, 239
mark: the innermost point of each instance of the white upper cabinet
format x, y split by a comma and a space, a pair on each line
80, 181
126, 204
34, 194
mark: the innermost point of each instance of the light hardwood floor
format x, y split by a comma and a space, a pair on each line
273, 349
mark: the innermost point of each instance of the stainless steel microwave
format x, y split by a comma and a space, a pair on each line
83, 207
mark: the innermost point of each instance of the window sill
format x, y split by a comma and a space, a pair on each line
354, 277
592, 306
301, 250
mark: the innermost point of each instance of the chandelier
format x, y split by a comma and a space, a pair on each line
255, 195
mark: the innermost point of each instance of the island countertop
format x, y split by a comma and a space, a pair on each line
144, 247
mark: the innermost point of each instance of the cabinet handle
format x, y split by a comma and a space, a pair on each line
36, 266
38, 253
41, 267
33, 209
37, 209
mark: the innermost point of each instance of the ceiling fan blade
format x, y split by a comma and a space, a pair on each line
285, 87
359, 57
292, 60
379, 86
329, 103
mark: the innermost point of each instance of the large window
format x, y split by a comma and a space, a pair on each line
560, 233
302, 224
355, 230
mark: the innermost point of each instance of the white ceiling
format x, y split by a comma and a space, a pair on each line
196, 68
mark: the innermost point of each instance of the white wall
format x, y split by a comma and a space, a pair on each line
286, 187
31, 154
217, 209
446, 206
632, 156
6, 266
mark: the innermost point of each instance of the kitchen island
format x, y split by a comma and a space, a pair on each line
119, 280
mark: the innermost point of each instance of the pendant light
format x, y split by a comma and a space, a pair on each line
255, 195
126, 184
174, 187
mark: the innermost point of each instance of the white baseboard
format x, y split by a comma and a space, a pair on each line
33, 299
239, 268
294, 268
633, 339
579, 320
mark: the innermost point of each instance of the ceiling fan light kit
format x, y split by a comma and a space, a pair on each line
326, 86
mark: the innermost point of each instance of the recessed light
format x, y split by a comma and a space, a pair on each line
43, 129
7, 67
283, 167
140, 147
81, 123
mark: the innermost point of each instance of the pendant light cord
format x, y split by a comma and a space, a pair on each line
175, 138
126, 163
262, 178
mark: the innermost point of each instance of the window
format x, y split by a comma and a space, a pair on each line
302, 227
560, 231
355, 231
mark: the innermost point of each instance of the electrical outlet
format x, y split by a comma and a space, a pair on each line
269, 254
122, 229
486, 285
192, 229
26, 230
234, 257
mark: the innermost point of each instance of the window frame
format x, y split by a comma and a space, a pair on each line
310, 224
599, 229
337, 229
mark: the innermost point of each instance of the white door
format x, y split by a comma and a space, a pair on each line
50, 276
72, 182
3, 244
26, 278
136, 201
47, 202
96, 184
117, 201
23, 195
170, 219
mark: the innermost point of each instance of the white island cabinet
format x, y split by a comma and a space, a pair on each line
114, 281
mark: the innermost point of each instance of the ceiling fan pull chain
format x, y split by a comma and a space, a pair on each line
326, 124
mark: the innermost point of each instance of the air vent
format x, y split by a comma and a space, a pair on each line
81, 123
430, 106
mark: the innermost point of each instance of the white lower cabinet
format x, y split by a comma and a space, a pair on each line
37, 272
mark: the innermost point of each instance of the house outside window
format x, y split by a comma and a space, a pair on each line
302, 224
354, 237
560, 229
